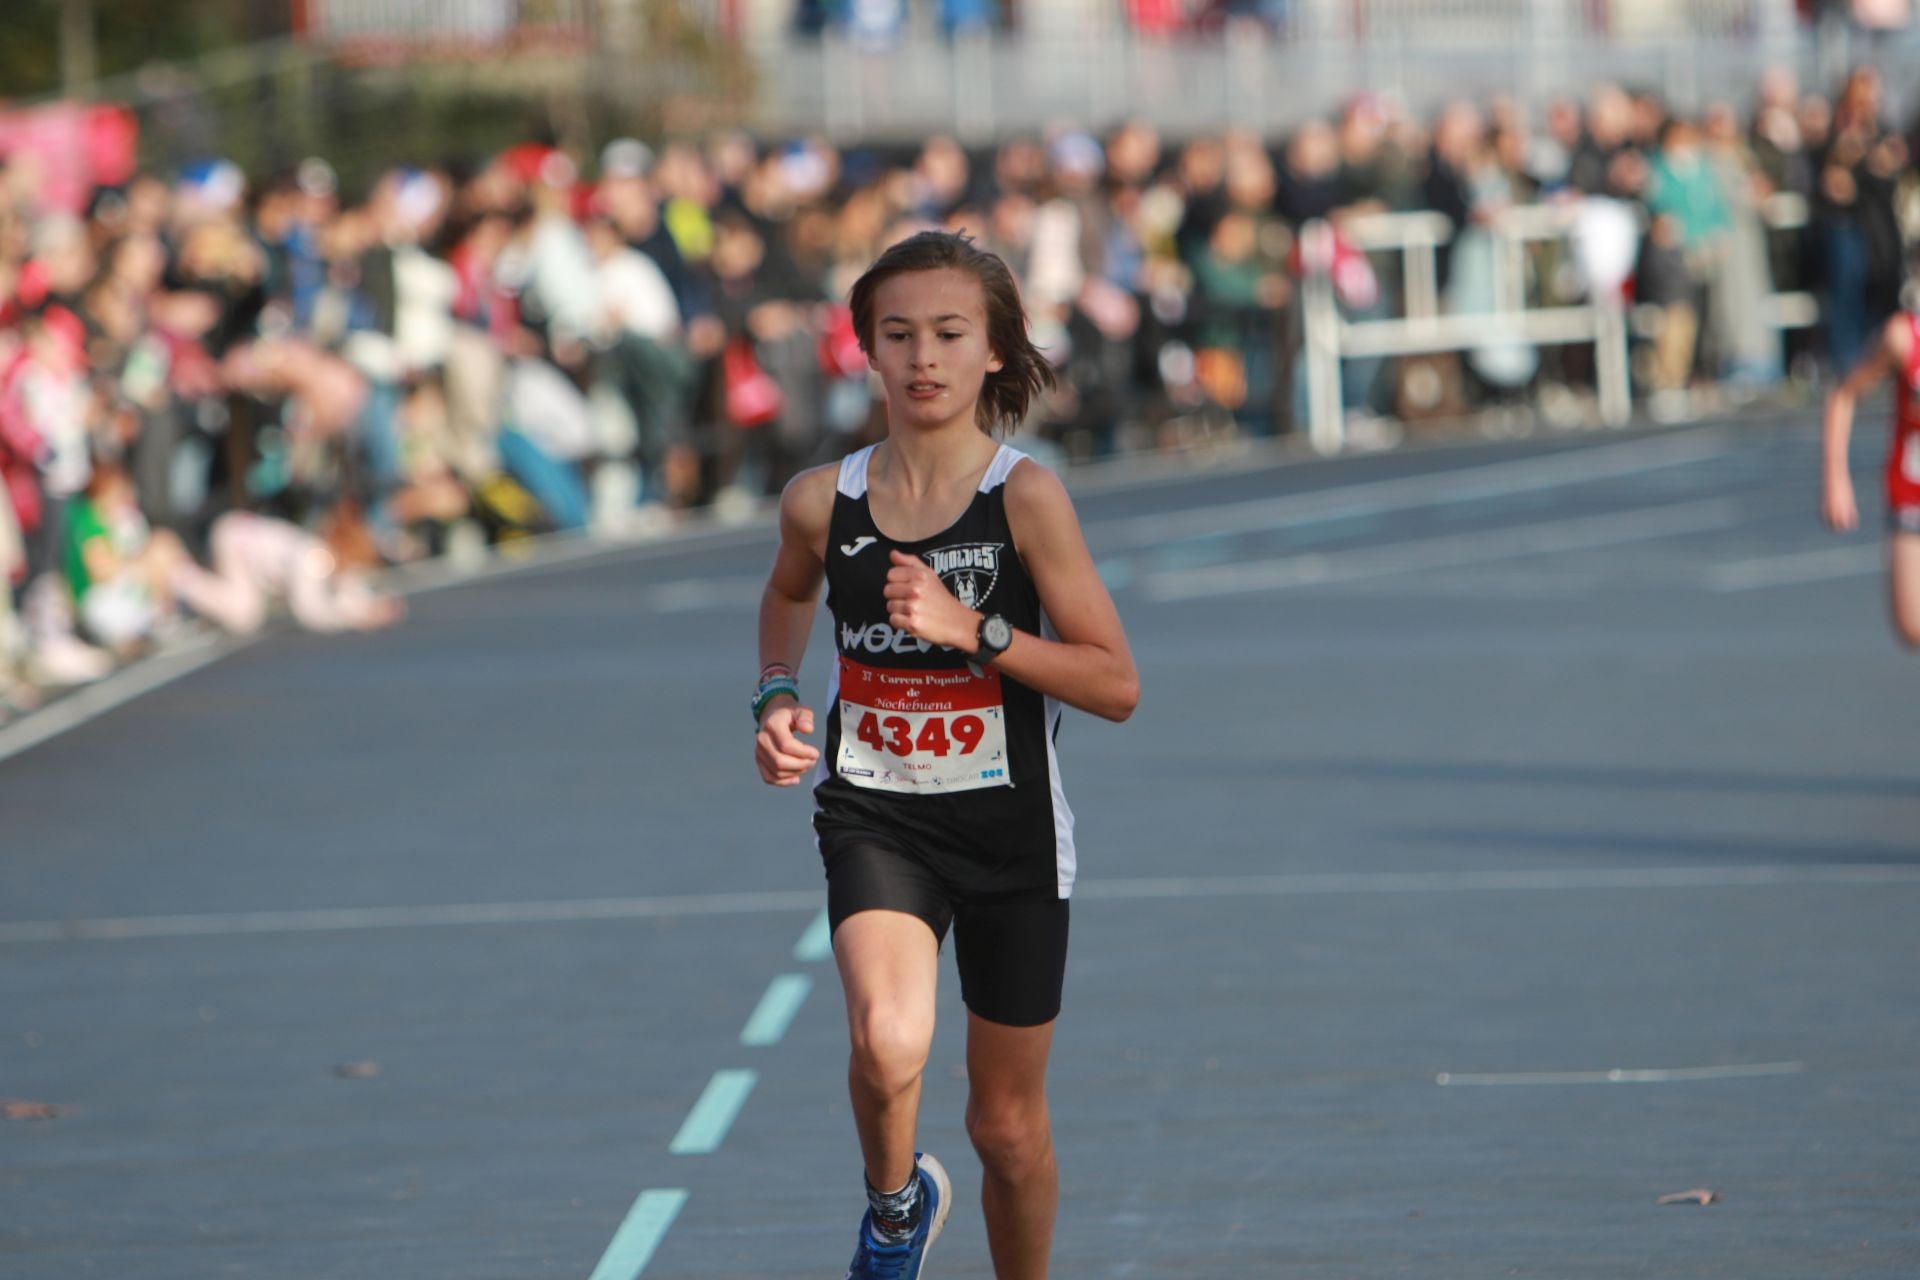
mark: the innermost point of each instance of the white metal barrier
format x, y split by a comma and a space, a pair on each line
1424, 329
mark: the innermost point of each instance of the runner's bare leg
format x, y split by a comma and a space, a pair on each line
1008, 1122
889, 967
1903, 580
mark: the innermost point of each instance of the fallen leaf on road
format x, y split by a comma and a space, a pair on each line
1699, 1195
356, 1070
19, 1109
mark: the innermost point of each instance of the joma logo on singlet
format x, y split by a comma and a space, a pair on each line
969, 569
881, 637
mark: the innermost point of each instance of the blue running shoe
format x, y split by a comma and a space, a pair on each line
873, 1260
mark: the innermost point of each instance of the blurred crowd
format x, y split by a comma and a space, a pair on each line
883, 22
224, 393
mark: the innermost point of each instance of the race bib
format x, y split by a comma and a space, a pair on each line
921, 732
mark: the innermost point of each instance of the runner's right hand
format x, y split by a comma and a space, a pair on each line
1837, 506
783, 758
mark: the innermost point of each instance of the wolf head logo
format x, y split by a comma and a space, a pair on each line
970, 569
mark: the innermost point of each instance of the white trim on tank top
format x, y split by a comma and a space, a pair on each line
1000, 468
1066, 861
853, 470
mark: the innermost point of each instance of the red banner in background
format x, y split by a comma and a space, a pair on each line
72, 148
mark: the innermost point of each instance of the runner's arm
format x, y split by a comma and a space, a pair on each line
1089, 666
786, 616
1837, 505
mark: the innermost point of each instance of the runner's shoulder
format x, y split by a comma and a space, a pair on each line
1037, 499
806, 504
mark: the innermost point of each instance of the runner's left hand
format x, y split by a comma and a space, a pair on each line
919, 603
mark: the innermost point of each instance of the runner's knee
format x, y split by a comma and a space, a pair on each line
889, 1048
1011, 1138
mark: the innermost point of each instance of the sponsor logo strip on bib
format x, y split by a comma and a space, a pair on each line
921, 732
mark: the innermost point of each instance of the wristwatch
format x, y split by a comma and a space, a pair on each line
996, 633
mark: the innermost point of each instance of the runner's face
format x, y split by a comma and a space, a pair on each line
930, 346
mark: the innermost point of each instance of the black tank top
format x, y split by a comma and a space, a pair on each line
955, 761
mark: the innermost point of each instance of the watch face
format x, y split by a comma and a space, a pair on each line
997, 632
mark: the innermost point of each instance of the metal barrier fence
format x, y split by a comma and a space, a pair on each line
981, 85
443, 24
1080, 60
907, 68
1416, 239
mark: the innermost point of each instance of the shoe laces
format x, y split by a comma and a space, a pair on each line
887, 1261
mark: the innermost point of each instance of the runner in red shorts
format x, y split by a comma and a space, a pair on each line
966, 612
1897, 353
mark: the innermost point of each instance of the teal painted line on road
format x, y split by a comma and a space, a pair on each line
774, 1014
705, 1127
817, 942
639, 1235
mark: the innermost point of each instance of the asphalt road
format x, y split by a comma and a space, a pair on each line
1509, 835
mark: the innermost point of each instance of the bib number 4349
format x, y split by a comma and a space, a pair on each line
921, 731
895, 734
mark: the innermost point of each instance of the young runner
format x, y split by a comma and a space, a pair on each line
966, 610
1897, 353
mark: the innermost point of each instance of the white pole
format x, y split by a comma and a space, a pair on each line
1320, 320
1610, 362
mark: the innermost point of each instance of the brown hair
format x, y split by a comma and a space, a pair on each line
1024, 372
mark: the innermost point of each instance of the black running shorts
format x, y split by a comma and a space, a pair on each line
1011, 949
